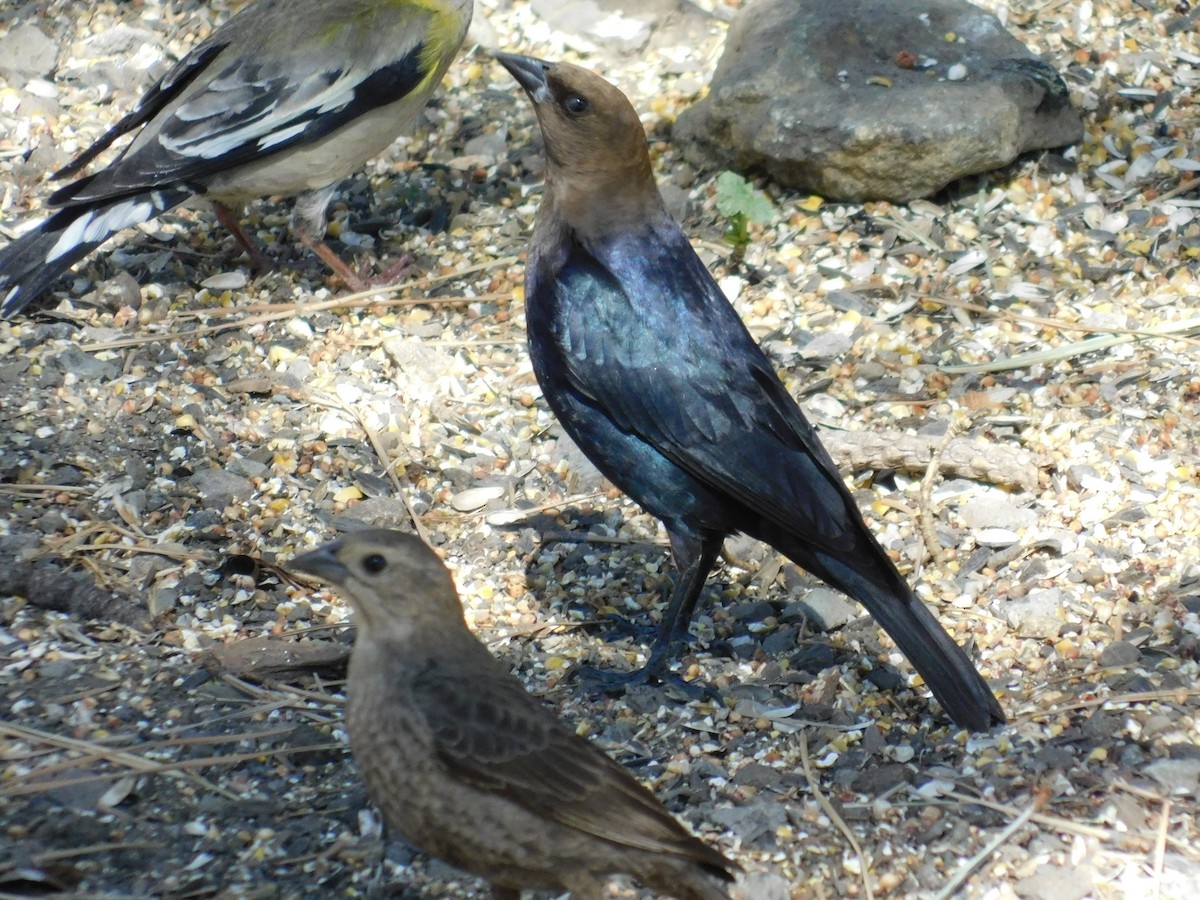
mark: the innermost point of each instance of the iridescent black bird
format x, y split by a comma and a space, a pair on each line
654, 376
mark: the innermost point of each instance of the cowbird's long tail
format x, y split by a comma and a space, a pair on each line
31, 264
869, 577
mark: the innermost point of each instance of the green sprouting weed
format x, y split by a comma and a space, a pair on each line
741, 204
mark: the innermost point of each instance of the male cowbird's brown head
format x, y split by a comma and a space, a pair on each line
598, 169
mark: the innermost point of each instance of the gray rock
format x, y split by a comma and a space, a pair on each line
763, 885
827, 345
250, 468
162, 601
219, 488
36, 104
746, 551
482, 31
416, 359
490, 146
1177, 776
375, 512
751, 821
1157, 724
1037, 614
996, 510
777, 643
616, 24
143, 568
1054, 882
1080, 476
867, 99
879, 779
848, 301
119, 291
85, 366
824, 607
1120, 653
119, 40
756, 775
581, 476
122, 58
753, 612
26, 51
675, 198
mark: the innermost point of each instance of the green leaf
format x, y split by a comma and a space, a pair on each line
736, 197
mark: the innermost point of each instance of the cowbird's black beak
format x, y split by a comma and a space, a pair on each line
323, 563
529, 72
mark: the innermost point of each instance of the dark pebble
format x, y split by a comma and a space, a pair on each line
1119, 653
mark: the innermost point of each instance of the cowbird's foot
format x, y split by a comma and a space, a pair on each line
610, 682
679, 632
359, 278
623, 628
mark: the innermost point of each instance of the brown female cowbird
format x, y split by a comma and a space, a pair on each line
466, 765
654, 376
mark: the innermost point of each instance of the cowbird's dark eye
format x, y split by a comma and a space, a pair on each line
374, 564
576, 105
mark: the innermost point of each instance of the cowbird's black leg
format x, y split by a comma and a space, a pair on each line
695, 556
686, 551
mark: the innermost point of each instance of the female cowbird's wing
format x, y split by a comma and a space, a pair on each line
491, 734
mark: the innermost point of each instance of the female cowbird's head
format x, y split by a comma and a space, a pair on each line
394, 580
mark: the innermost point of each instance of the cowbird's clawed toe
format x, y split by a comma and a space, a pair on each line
622, 627
693, 690
654, 672
610, 682
350, 278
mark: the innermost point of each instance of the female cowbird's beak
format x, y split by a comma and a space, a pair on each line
323, 563
529, 72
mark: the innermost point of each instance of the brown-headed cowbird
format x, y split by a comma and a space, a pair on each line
287, 97
652, 373
469, 767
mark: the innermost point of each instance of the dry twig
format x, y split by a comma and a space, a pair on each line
926, 515
863, 862
964, 871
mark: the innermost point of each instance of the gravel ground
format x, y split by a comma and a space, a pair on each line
1007, 370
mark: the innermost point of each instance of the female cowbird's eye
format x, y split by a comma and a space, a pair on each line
576, 105
374, 564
